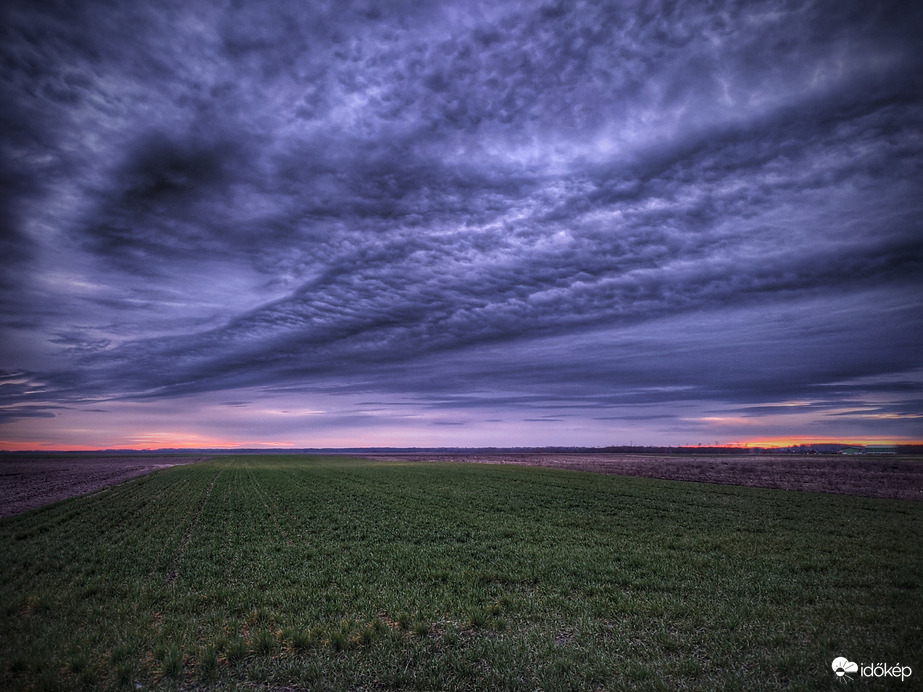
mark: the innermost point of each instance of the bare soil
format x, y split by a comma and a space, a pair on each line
896, 477
27, 482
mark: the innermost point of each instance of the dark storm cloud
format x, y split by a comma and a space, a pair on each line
164, 204
440, 199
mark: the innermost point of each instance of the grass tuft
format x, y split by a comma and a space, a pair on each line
367, 635
208, 662
77, 663
173, 663
263, 642
125, 674
340, 641
88, 678
477, 619
235, 650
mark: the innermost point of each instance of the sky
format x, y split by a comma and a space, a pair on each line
411, 223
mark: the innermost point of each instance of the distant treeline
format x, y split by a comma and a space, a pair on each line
826, 448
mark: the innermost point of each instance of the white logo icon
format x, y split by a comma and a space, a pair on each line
841, 666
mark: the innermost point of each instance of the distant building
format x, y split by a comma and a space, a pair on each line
870, 449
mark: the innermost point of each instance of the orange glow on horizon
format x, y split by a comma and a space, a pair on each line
795, 441
10, 446
158, 441
147, 443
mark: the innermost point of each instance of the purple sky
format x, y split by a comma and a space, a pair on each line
460, 223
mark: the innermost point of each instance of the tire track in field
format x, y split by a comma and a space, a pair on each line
174, 570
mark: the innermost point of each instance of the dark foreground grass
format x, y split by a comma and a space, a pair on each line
336, 574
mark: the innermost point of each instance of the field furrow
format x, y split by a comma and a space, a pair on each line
177, 558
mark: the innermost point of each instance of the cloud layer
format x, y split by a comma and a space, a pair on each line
581, 209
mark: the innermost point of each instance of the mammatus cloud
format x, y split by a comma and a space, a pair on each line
573, 207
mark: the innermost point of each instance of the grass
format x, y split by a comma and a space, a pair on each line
340, 574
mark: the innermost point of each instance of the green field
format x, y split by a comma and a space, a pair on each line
341, 574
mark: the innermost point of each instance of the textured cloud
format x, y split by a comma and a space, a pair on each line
574, 206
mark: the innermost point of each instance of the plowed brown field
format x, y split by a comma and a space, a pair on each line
898, 477
27, 482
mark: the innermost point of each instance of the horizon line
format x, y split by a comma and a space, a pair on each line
741, 446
